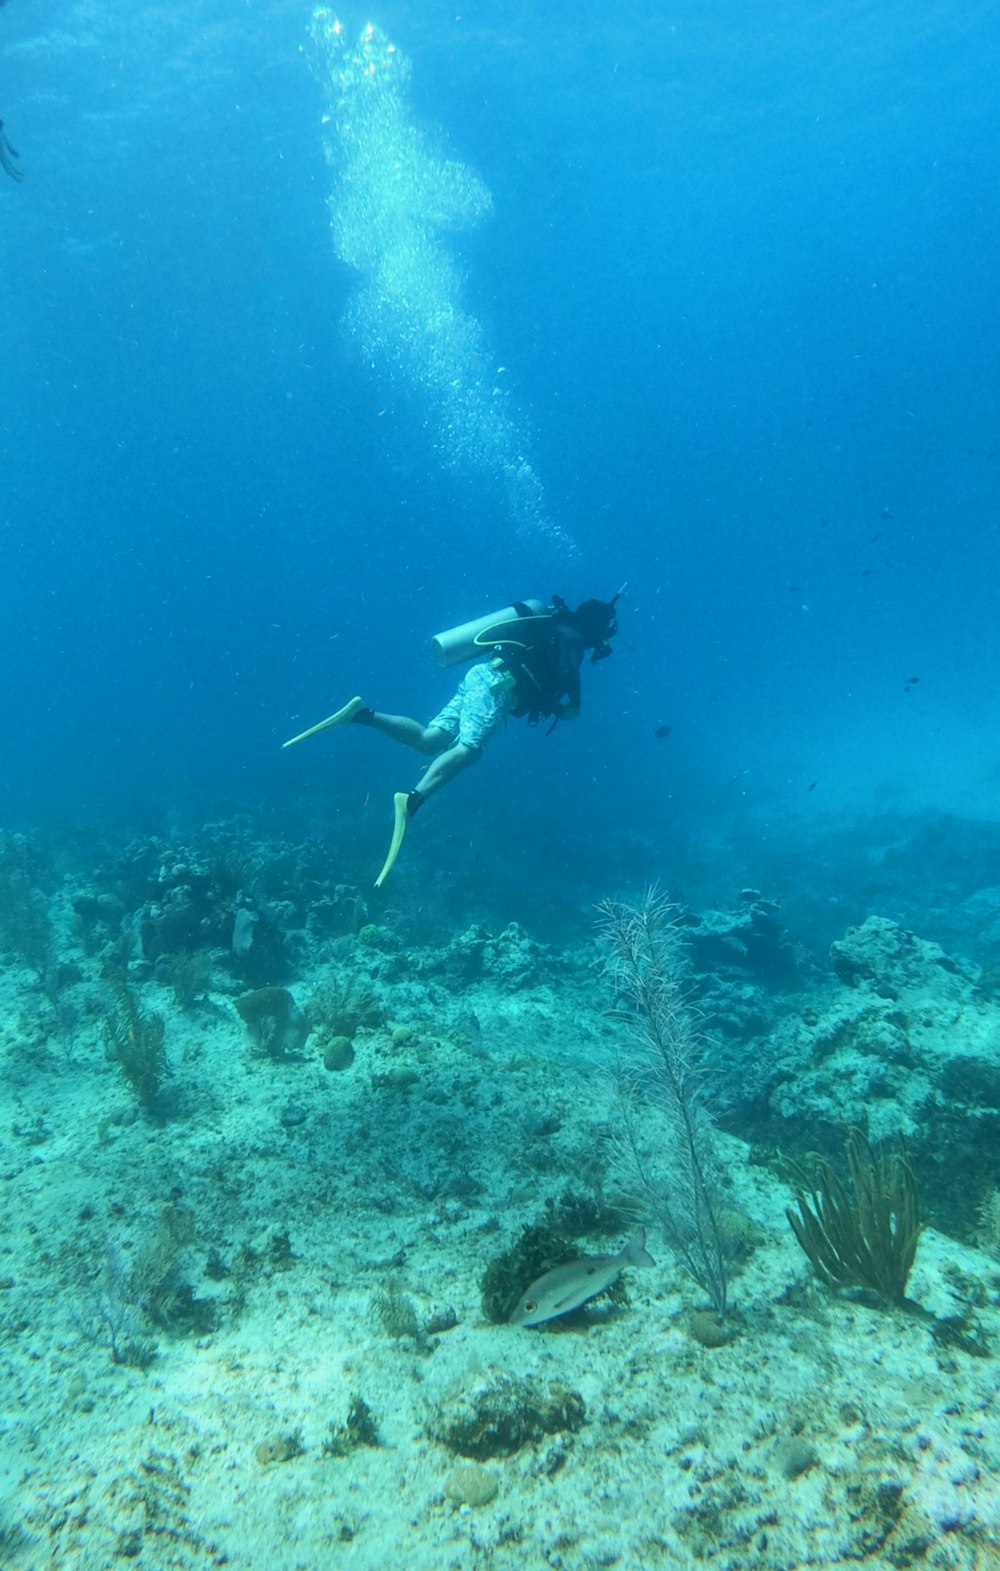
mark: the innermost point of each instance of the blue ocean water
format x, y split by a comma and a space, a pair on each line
717, 282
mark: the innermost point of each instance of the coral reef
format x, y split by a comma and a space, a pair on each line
188, 1301
748, 940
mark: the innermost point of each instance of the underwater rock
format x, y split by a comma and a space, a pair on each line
338, 1053
751, 938
737, 1009
463, 960
340, 914
854, 1064
175, 924
275, 1024
280, 1448
267, 961
244, 923
499, 1413
468, 1484
974, 1081
889, 959
196, 905
705, 1328
401, 1077
97, 920
513, 959
903, 1047
794, 1455
871, 1030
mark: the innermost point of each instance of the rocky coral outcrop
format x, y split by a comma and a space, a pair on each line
751, 938
890, 960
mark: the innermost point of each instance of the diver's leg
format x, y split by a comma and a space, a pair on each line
425, 739
405, 803
444, 768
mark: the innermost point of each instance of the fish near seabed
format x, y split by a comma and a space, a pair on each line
567, 1287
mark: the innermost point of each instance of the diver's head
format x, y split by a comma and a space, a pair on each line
596, 621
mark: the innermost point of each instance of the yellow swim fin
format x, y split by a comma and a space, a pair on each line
342, 717
400, 807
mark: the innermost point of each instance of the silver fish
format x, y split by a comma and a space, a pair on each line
568, 1286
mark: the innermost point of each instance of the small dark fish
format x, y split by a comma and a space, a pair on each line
569, 1286
662, 731
813, 786
911, 681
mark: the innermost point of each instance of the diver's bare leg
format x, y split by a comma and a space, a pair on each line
425, 739
445, 767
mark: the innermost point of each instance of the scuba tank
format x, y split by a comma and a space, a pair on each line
467, 641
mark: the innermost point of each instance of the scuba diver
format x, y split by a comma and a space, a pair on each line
533, 669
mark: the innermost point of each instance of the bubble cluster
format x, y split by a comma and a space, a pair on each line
395, 201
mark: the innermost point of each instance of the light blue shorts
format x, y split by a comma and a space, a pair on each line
479, 708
